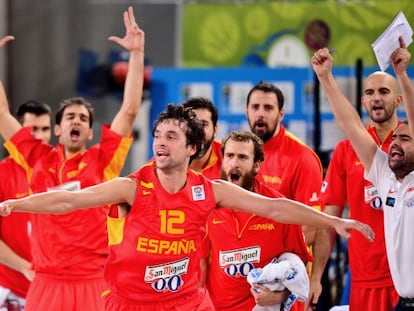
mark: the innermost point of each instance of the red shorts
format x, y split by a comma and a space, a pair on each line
199, 301
373, 299
53, 293
298, 306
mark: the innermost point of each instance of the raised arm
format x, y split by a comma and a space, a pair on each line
134, 42
400, 61
118, 190
344, 112
8, 124
283, 210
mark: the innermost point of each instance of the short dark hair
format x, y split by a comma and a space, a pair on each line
74, 101
267, 88
245, 136
34, 107
195, 132
203, 103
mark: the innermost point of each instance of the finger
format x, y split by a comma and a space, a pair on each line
402, 43
131, 15
367, 231
126, 20
5, 211
115, 39
6, 39
260, 286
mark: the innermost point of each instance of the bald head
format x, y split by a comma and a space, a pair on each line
381, 78
381, 98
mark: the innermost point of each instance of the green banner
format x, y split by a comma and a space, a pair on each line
285, 33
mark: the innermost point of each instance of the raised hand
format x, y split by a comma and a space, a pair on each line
400, 58
322, 62
5, 40
134, 37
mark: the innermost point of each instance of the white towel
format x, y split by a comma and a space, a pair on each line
4, 292
285, 272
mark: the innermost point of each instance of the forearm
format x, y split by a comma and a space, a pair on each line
293, 212
54, 202
322, 247
407, 90
278, 209
10, 259
134, 82
124, 120
115, 191
8, 124
203, 271
341, 107
283, 210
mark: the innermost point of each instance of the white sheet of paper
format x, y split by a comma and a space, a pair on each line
388, 42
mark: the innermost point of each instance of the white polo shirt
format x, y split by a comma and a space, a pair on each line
398, 205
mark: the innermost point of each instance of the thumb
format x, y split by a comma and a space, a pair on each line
115, 39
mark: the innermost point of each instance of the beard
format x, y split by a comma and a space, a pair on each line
401, 169
205, 148
234, 176
265, 133
402, 164
382, 118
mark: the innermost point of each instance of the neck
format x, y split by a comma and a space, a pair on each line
276, 132
173, 180
383, 129
199, 164
70, 153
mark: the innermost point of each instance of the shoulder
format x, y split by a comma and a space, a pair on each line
295, 142
216, 145
145, 172
7, 162
342, 149
198, 178
263, 189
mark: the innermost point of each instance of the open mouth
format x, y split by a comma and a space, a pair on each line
74, 134
396, 154
235, 178
260, 125
161, 154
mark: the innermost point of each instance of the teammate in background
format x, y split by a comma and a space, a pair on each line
69, 251
290, 167
371, 283
390, 174
209, 161
155, 247
15, 271
258, 240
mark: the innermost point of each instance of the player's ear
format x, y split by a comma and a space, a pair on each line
57, 130
256, 167
192, 150
90, 134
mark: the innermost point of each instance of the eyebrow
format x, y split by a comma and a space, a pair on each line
74, 114
167, 132
43, 128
